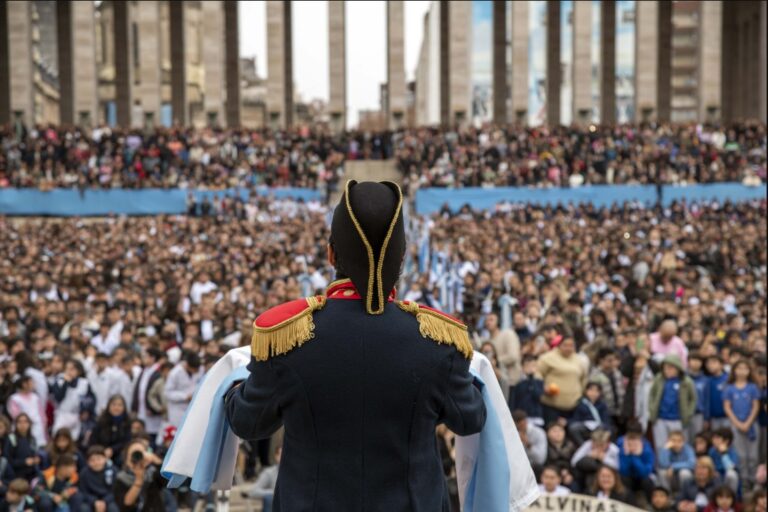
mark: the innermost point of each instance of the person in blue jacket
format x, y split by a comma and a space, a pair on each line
725, 457
676, 462
590, 413
718, 380
701, 383
636, 460
358, 380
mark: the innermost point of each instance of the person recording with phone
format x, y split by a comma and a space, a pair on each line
139, 486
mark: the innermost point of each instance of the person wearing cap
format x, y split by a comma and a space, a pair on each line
671, 401
359, 380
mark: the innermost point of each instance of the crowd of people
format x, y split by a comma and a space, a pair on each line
630, 341
52, 157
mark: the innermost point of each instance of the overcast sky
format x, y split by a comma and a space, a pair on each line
366, 47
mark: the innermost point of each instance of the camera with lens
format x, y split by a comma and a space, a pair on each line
136, 456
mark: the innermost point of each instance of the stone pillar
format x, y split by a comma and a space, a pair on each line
76, 39
150, 88
123, 63
395, 64
445, 63
460, 47
21, 103
232, 63
279, 65
178, 62
5, 76
337, 65
519, 84
664, 83
500, 62
762, 83
213, 61
582, 63
608, 61
646, 60
710, 60
553, 63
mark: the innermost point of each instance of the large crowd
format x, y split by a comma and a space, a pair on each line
50, 157
630, 342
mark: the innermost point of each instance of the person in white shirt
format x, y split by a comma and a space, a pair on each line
200, 287
550, 482
180, 386
26, 401
69, 390
151, 359
534, 438
104, 381
103, 341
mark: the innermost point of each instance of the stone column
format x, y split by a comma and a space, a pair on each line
148, 24
608, 61
5, 76
395, 63
337, 64
581, 81
123, 63
21, 104
178, 62
445, 63
519, 84
762, 83
213, 61
664, 83
279, 64
76, 39
553, 63
460, 47
500, 62
710, 60
646, 60
232, 63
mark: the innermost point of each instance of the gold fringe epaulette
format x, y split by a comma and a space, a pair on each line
285, 327
439, 327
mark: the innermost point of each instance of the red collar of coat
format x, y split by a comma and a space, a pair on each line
344, 289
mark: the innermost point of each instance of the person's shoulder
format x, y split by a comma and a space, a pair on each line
284, 327
440, 327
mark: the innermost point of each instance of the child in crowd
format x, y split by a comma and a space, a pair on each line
21, 449
723, 500
701, 444
636, 460
550, 482
57, 489
17, 498
661, 501
741, 404
559, 451
590, 414
96, 482
525, 394
590, 456
718, 380
694, 495
701, 383
672, 400
611, 382
725, 457
676, 462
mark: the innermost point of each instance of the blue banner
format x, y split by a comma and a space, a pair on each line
430, 200
66, 202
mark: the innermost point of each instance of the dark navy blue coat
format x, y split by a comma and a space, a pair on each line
360, 402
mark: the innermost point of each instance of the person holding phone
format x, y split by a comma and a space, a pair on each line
139, 486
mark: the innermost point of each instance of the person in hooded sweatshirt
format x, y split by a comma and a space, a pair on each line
96, 482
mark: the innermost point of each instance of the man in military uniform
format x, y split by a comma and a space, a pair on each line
359, 380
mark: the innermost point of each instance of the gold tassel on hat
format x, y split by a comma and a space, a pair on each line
284, 336
440, 328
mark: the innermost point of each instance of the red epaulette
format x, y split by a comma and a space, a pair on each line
282, 328
440, 327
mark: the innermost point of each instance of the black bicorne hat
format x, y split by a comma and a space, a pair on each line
368, 239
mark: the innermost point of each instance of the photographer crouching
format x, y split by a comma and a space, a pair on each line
139, 485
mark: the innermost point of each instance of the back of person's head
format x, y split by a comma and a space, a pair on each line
600, 436
193, 360
17, 489
65, 460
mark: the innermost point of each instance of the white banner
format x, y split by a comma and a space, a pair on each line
578, 503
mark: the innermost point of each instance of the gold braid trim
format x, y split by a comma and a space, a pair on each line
283, 337
440, 328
